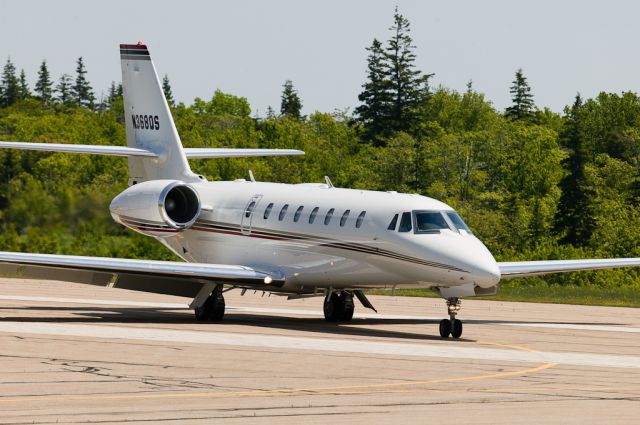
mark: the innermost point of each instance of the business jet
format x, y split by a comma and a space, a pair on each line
294, 240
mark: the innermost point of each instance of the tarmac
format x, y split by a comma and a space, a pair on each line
73, 353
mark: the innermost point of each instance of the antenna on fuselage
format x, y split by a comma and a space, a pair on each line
253, 179
327, 180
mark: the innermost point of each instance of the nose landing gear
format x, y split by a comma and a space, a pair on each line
451, 326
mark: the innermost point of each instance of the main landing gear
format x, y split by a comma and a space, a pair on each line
338, 306
451, 326
212, 310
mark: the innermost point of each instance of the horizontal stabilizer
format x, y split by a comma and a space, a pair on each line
72, 148
127, 151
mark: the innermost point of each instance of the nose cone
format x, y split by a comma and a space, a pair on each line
485, 273
470, 254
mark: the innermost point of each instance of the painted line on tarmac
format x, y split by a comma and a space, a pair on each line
448, 351
337, 390
94, 301
577, 327
316, 313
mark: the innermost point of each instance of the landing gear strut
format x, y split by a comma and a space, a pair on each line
451, 326
212, 310
338, 306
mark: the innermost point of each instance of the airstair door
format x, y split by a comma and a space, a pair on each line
248, 213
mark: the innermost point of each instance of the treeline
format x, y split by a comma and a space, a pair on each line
531, 183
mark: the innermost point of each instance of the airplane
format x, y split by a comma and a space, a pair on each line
295, 240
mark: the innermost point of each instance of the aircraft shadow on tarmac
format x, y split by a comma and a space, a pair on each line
123, 315
96, 315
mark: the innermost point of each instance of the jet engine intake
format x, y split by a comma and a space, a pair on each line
180, 205
157, 204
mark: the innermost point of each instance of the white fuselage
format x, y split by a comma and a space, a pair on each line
339, 254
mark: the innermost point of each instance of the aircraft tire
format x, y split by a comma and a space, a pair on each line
456, 332
217, 305
445, 328
347, 307
202, 313
333, 308
213, 308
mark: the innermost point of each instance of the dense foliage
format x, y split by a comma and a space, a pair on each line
547, 187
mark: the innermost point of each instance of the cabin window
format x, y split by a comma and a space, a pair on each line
394, 223
405, 222
360, 219
344, 217
296, 216
327, 218
283, 211
430, 222
313, 215
249, 210
457, 221
267, 211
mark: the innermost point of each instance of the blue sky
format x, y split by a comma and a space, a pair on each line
249, 48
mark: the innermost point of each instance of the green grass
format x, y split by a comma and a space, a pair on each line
543, 293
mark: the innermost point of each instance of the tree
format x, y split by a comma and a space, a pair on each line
81, 91
521, 97
44, 84
408, 86
270, 112
290, 105
115, 91
223, 103
374, 110
570, 217
23, 86
9, 85
63, 89
168, 94
395, 90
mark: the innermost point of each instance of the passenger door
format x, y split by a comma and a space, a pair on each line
248, 213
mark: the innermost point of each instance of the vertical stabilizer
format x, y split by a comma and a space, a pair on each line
148, 120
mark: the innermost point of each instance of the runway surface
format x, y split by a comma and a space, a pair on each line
77, 354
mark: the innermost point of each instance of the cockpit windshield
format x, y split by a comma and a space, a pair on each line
457, 221
434, 222
430, 222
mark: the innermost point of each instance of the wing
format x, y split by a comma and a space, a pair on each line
193, 153
511, 270
127, 151
162, 277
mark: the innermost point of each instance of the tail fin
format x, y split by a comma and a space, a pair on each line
148, 120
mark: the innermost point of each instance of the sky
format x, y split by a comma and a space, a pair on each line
249, 48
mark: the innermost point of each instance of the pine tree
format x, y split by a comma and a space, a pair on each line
43, 85
522, 98
571, 220
375, 97
168, 94
408, 86
271, 114
290, 104
115, 91
63, 90
23, 86
9, 85
81, 90
111, 95
395, 90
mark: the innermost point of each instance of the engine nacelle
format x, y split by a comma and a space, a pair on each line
157, 206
